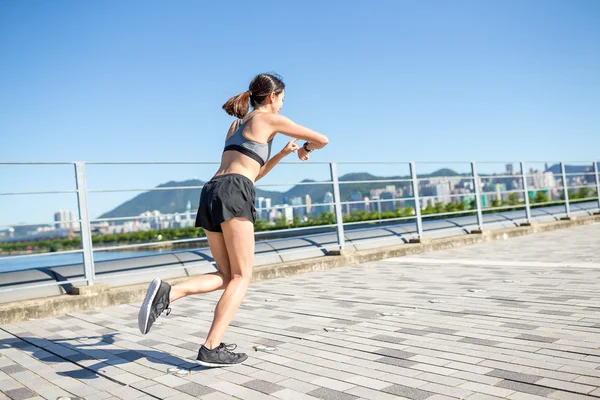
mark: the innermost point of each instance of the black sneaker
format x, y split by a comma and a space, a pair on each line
156, 301
222, 356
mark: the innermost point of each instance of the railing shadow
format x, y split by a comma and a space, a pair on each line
78, 351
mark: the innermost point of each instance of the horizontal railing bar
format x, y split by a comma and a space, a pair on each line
282, 206
183, 162
504, 192
198, 187
143, 189
294, 184
378, 220
582, 200
453, 177
294, 229
37, 163
580, 173
151, 162
371, 201
448, 213
54, 253
69, 282
148, 244
370, 162
485, 176
533, 189
376, 181
42, 223
285, 162
29, 193
137, 217
448, 195
520, 205
558, 202
589, 185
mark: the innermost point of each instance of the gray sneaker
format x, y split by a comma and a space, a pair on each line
222, 356
156, 301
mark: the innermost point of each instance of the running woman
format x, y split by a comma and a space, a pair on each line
227, 213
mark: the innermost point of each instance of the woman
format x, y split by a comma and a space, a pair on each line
227, 211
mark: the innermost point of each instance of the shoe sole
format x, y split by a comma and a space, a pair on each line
207, 364
144, 313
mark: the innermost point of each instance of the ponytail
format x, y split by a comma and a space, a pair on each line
238, 106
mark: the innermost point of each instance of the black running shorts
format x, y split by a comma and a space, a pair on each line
225, 197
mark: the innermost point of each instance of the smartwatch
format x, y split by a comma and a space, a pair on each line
306, 148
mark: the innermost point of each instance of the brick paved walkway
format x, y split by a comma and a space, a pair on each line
517, 319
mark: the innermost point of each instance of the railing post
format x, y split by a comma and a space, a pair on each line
526, 190
565, 189
86, 232
477, 197
339, 219
415, 186
597, 175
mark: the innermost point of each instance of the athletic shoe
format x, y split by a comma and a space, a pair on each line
222, 356
156, 301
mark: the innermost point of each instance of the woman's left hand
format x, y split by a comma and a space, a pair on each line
290, 147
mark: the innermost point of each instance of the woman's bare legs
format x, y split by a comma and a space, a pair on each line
239, 242
207, 282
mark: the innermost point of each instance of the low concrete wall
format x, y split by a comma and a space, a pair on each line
105, 297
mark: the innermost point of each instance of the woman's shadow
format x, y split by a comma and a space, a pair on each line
79, 350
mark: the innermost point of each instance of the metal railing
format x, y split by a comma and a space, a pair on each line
476, 195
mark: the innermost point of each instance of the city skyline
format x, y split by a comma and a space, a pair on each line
432, 191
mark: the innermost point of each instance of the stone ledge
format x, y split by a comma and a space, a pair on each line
64, 304
91, 289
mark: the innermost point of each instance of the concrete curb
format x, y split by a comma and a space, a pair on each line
64, 304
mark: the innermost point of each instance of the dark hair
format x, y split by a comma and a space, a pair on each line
260, 88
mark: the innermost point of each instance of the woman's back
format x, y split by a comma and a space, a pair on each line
247, 146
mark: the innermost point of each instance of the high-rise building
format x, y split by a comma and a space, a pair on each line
386, 201
298, 211
288, 212
509, 169
328, 198
442, 192
308, 202
65, 219
355, 196
263, 208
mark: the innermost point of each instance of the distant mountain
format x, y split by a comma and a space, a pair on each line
572, 169
172, 201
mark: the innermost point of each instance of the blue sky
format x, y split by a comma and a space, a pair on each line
384, 80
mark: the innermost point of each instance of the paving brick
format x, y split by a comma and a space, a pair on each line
289, 394
514, 376
562, 395
525, 387
12, 369
562, 385
330, 394
526, 396
20, 394
408, 392
367, 393
487, 389
332, 384
298, 386
458, 392
263, 386
194, 389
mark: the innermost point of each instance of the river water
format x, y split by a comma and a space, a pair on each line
54, 259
